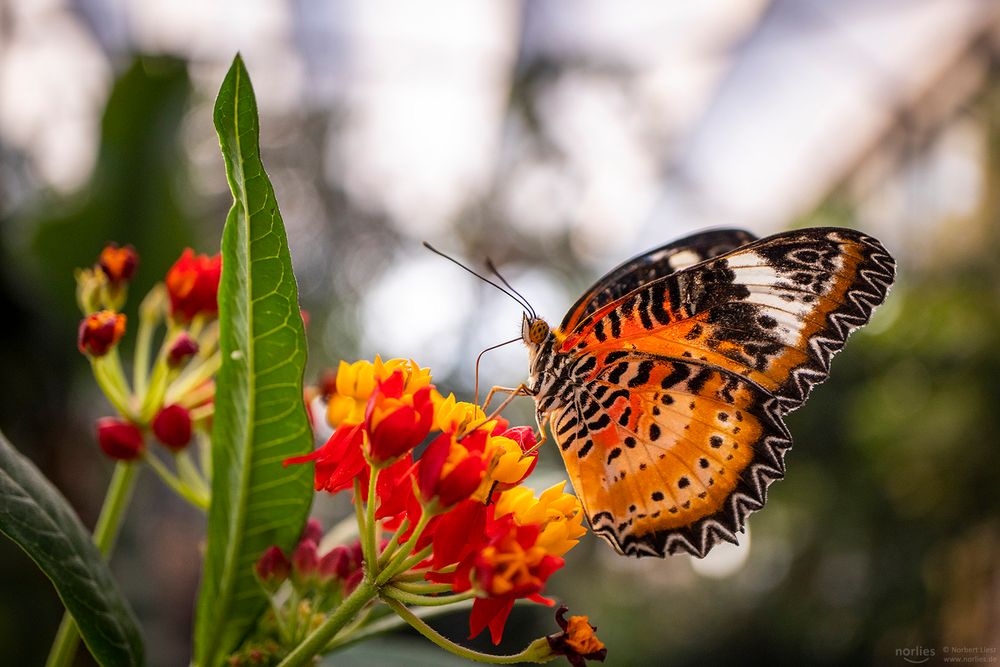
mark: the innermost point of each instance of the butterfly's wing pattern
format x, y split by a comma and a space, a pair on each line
667, 402
654, 264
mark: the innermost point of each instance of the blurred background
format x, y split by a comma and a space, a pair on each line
557, 139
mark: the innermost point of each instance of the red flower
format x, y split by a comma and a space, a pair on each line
118, 264
451, 470
193, 285
508, 566
339, 461
119, 439
172, 427
100, 331
397, 420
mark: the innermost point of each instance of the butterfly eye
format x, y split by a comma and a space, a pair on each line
538, 331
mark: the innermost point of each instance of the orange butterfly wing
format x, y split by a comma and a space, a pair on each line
672, 431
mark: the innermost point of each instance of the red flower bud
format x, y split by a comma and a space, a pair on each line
272, 568
100, 331
118, 264
193, 285
183, 348
305, 562
336, 563
172, 426
313, 531
119, 439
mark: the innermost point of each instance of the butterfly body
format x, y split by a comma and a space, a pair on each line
666, 383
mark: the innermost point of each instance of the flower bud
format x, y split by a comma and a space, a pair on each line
272, 568
183, 348
193, 285
335, 563
305, 562
119, 439
99, 332
118, 264
172, 426
313, 531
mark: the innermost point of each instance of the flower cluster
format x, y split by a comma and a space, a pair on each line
439, 485
169, 395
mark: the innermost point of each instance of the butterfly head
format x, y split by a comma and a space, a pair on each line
534, 330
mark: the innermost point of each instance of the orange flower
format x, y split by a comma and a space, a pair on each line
193, 285
100, 331
577, 641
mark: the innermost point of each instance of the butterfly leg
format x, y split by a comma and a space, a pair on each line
513, 392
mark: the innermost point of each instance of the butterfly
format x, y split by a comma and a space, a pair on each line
666, 384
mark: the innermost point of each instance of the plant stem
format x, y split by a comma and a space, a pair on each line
371, 528
317, 641
400, 556
179, 487
424, 600
105, 534
533, 653
143, 343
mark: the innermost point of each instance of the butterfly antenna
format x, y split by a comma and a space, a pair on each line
493, 269
521, 301
480, 358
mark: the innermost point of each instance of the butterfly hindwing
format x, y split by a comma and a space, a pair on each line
674, 454
652, 265
667, 402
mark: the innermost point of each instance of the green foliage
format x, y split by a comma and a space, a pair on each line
260, 417
36, 516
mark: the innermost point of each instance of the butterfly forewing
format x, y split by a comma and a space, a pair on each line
667, 402
652, 265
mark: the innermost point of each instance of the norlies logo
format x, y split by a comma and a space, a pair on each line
916, 655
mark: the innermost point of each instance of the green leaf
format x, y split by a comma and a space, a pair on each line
36, 516
260, 417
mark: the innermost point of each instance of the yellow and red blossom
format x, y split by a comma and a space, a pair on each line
397, 420
118, 263
193, 285
100, 331
558, 515
348, 393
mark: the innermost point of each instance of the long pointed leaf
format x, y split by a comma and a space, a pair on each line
260, 417
36, 516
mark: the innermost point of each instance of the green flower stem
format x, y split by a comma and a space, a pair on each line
319, 638
111, 387
414, 559
143, 345
387, 553
421, 588
424, 600
371, 528
359, 515
105, 535
537, 651
190, 474
393, 568
179, 487
191, 379
391, 621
